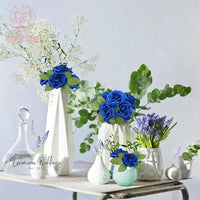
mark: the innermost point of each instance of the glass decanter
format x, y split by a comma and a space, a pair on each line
18, 159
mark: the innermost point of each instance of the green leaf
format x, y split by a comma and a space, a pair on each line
98, 85
66, 89
48, 88
100, 100
186, 156
83, 145
138, 166
141, 156
197, 147
83, 120
49, 72
112, 121
193, 150
117, 108
100, 117
116, 161
94, 106
119, 120
90, 140
122, 168
92, 126
78, 124
83, 112
73, 81
70, 110
44, 76
68, 75
88, 148
82, 151
120, 155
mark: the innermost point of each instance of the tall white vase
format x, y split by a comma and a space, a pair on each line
59, 146
121, 134
152, 166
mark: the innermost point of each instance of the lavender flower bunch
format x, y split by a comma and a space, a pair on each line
100, 146
152, 129
41, 141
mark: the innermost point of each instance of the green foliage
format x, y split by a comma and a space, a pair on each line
139, 82
66, 89
68, 75
49, 72
48, 88
90, 103
156, 95
192, 151
44, 76
73, 81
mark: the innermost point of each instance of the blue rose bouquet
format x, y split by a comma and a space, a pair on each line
60, 77
114, 107
152, 129
124, 159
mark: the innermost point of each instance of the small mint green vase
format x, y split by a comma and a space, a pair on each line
126, 178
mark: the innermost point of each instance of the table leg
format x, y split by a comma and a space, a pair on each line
185, 194
103, 197
74, 196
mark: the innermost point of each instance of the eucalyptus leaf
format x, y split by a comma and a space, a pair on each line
83, 112
92, 126
100, 100
70, 110
94, 106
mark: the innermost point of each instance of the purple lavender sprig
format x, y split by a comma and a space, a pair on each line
100, 146
41, 141
152, 129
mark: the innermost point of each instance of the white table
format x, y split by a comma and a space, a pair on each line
77, 183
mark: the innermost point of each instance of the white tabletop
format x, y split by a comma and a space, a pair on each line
77, 181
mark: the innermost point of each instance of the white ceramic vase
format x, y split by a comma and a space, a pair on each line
152, 166
185, 167
121, 134
38, 168
98, 174
59, 146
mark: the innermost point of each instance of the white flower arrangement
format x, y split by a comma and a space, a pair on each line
46, 51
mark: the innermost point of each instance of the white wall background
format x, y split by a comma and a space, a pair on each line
164, 35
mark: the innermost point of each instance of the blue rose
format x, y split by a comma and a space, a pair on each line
107, 111
124, 110
74, 86
57, 80
61, 68
130, 160
115, 97
131, 100
115, 153
105, 94
43, 82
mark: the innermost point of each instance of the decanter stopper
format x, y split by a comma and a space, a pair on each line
23, 114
